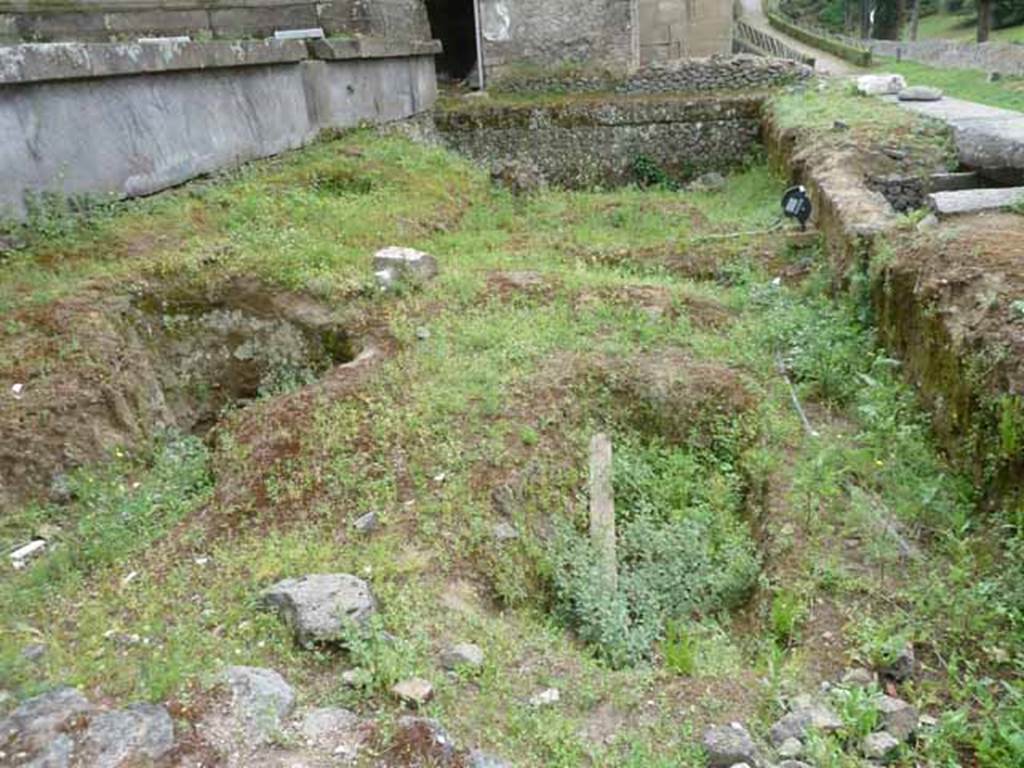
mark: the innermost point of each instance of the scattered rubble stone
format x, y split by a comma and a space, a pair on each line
898, 717
336, 730
791, 747
546, 698
858, 677
422, 333
367, 523
480, 759
796, 724
318, 606
415, 691
879, 746
33, 652
712, 181
462, 655
793, 764
36, 723
504, 531
139, 734
901, 668
60, 489
405, 263
260, 700
727, 745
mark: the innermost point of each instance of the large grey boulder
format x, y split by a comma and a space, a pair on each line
920, 93
797, 724
37, 722
898, 717
727, 745
138, 735
260, 701
318, 607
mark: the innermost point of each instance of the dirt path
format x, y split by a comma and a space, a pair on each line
824, 63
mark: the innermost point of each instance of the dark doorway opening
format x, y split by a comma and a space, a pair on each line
451, 22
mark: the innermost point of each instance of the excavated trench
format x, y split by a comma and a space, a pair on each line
156, 359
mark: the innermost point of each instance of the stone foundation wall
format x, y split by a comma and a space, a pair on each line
109, 20
715, 73
117, 120
582, 144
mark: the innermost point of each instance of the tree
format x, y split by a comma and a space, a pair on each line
915, 17
984, 20
888, 19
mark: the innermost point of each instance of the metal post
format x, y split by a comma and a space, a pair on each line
481, 80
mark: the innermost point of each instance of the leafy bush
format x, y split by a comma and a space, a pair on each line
682, 550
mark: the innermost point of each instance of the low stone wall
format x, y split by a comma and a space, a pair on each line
1004, 58
114, 120
582, 144
714, 73
114, 20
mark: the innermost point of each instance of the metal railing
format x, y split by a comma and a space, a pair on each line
758, 41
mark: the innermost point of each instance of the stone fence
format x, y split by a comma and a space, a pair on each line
120, 20
121, 120
1003, 58
714, 73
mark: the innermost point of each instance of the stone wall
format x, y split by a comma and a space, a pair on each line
109, 119
674, 30
110, 20
714, 73
1004, 58
541, 33
579, 143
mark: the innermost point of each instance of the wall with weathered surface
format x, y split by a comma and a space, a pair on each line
1004, 58
123, 120
110, 20
713, 73
579, 143
541, 33
675, 29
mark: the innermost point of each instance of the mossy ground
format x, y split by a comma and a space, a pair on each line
152, 585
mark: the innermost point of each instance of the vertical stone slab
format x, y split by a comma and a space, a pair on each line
602, 507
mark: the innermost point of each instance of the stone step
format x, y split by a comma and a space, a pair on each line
975, 200
954, 182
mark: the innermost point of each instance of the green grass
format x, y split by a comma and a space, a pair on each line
505, 394
963, 28
969, 84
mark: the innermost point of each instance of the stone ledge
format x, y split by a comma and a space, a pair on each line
336, 49
40, 62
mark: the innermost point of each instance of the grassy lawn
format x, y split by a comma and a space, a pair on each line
970, 84
755, 560
963, 28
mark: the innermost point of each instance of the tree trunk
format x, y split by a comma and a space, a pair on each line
915, 17
984, 20
865, 19
889, 19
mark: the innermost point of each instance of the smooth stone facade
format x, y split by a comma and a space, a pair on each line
76, 112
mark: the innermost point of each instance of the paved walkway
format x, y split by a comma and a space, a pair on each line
987, 138
825, 63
